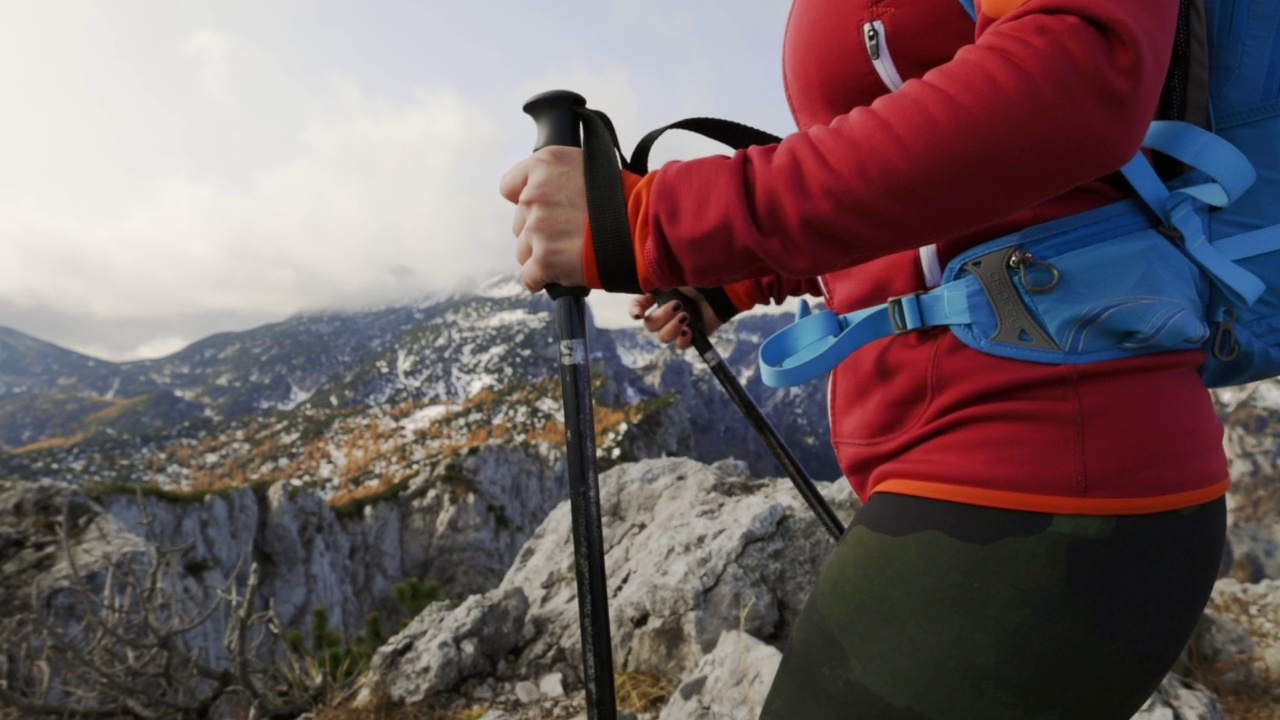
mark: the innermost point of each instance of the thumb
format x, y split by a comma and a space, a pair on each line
640, 305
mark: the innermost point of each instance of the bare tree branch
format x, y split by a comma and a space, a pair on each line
120, 636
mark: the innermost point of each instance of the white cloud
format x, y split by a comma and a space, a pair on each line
210, 49
387, 200
175, 169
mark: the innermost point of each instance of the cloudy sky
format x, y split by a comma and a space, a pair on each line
173, 169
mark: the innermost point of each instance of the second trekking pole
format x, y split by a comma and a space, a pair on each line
556, 114
738, 394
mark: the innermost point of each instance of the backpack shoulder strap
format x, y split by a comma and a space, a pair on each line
968, 7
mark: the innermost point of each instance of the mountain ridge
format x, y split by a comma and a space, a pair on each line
371, 397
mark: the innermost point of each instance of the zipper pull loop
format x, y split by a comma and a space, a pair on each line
1022, 261
1225, 345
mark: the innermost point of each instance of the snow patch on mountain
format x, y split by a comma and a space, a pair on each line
513, 318
296, 397
426, 417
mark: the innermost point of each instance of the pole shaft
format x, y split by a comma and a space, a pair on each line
584, 505
790, 465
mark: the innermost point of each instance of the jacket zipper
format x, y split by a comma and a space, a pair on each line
878, 50
931, 266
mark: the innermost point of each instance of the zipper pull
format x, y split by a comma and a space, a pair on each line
873, 42
1022, 261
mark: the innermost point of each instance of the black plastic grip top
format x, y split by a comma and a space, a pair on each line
556, 114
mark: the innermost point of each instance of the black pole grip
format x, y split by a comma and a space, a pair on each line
555, 112
690, 305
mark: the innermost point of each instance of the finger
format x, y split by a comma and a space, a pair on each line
670, 332
518, 220
514, 180
661, 316
640, 304
532, 276
685, 340
530, 279
524, 249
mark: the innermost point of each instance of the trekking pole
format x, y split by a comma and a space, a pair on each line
555, 113
759, 422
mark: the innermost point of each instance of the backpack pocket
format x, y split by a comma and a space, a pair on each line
1096, 292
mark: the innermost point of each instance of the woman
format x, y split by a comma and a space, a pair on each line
1037, 541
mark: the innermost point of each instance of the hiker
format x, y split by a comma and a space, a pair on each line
1037, 540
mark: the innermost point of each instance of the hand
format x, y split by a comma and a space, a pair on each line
670, 322
549, 192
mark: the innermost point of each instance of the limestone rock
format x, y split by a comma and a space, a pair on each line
444, 646
1254, 609
460, 526
730, 683
1179, 699
1223, 649
552, 685
691, 551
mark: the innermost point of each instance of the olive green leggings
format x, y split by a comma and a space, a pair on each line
930, 610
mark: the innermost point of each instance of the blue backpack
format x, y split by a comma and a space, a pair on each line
1189, 263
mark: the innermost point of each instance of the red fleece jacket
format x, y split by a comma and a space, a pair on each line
998, 126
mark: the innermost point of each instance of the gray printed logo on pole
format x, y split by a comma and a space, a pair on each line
573, 352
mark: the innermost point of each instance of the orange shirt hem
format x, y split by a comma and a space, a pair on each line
1029, 502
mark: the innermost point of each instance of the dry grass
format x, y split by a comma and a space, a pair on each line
1256, 708
640, 692
55, 443
383, 486
383, 709
1257, 703
1259, 700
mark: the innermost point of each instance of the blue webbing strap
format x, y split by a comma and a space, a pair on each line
1249, 244
1144, 180
1231, 174
1228, 168
1239, 285
1204, 151
968, 7
815, 343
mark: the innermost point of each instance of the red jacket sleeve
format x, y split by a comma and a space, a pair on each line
1052, 94
775, 289
744, 294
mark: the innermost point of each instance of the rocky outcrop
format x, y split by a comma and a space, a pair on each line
1180, 699
730, 682
1238, 645
692, 552
1251, 414
708, 568
707, 571
460, 526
